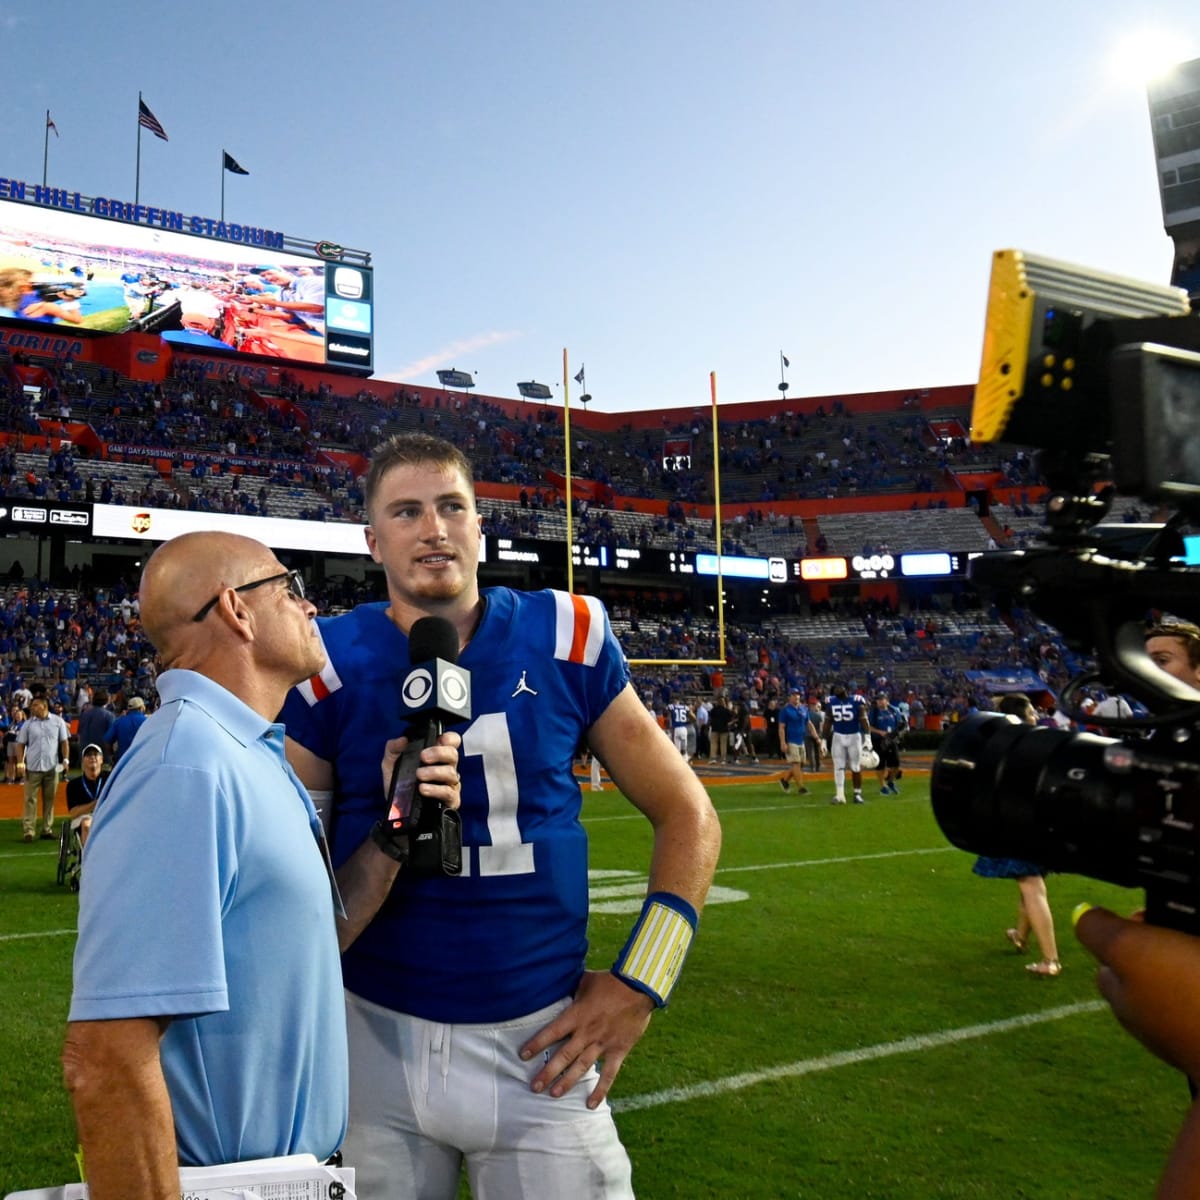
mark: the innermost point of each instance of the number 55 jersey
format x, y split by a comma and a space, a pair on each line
508, 935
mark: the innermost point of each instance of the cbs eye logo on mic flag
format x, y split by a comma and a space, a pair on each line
453, 687
417, 687
455, 690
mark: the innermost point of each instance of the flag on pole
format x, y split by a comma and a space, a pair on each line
579, 377
50, 124
232, 164
149, 121
786, 362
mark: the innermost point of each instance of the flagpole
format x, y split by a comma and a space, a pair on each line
222, 183
716, 438
137, 178
46, 151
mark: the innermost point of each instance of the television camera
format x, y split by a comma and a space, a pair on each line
58, 290
1101, 375
158, 320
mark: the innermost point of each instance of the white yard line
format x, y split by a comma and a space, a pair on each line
13, 937
846, 1058
848, 858
757, 808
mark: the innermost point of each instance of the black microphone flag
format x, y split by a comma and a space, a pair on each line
435, 686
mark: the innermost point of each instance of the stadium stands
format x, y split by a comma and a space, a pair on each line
844, 476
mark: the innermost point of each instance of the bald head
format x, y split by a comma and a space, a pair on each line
223, 606
186, 572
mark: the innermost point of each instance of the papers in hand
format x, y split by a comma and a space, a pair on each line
294, 1177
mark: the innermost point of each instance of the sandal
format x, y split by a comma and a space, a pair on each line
1047, 967
1016, 939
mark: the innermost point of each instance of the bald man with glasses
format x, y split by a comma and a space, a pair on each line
207, 1020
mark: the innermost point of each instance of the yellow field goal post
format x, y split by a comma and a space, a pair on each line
716, 441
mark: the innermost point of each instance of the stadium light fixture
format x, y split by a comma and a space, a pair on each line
456, 379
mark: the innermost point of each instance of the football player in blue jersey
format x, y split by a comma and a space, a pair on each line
475, 1031
680, 714
846, 721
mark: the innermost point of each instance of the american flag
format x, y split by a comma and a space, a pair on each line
50, 124
147, 119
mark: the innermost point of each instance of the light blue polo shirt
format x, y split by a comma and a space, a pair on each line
205, 898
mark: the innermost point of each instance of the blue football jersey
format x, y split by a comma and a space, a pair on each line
679, 715
846, 713
507, 936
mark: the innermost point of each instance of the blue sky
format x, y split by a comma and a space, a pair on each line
663, 188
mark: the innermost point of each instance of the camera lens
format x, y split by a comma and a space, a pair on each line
1009, 790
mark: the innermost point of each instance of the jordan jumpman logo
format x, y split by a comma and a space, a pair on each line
522, 686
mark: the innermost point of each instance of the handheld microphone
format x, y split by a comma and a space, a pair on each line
424, 832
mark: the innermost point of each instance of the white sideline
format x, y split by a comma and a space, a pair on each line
822, 805
846, 1058
780, 866
846, 858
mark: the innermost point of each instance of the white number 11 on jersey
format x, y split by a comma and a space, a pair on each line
487, 736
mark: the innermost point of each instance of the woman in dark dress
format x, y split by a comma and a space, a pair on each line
16, 718
1034, 912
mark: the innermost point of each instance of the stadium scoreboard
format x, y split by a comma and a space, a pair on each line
931, 564
86, 520
101, 265
771, 571
616, 558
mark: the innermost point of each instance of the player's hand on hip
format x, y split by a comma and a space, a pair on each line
600, 1026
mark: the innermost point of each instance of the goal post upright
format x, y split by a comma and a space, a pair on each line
719, 661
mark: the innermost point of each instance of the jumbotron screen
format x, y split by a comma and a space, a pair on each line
87, 272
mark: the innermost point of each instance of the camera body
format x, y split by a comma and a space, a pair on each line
1102, 377
1122, 811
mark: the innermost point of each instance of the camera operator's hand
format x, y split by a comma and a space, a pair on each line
1151, 978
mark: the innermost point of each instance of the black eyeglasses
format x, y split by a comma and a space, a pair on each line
295, 587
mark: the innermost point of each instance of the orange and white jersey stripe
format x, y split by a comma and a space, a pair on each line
579, 628
319, 687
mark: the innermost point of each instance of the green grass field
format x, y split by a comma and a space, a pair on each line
851, 1021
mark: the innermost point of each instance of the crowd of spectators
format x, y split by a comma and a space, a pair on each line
282, 433
79, 637
922, 655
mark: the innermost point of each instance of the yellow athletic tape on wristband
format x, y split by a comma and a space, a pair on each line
653, 956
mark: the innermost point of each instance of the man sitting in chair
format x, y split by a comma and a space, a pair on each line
83, 791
